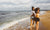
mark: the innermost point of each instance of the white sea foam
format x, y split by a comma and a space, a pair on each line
12, 23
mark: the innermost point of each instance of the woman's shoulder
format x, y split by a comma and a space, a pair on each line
33, 11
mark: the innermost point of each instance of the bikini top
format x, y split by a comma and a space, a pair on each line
37, 15
34, 14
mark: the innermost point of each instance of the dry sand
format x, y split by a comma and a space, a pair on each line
45, 19
44, 23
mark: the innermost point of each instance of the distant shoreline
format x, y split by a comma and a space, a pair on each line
28, 18
24, 10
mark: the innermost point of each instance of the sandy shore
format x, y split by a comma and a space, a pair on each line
45, 19
24, 25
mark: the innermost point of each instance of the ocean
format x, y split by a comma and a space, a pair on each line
9, 16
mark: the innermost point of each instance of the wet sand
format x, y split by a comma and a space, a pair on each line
24, 25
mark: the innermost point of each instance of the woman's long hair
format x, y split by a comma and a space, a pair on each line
36, 10
32, 8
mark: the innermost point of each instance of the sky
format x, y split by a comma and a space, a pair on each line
13, 5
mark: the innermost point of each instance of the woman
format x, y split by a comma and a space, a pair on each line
32, 17
37, 18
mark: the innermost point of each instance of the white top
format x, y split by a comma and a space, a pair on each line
33, 12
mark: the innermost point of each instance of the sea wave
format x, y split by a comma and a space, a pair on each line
17, 17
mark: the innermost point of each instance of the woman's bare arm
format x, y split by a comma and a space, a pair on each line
32, 15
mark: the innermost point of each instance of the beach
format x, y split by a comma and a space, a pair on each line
24, 24
45, 19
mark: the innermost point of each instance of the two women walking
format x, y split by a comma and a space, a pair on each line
35, 17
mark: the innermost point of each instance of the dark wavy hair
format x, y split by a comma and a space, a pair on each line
32, 8
37, 9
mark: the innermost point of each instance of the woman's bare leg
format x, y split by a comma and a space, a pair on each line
37, 25
31, 22
31, 25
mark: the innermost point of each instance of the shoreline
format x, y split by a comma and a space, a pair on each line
6, 26
12, 23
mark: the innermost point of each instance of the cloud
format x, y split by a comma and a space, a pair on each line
14, 3
24, 4
43, 1
43, 4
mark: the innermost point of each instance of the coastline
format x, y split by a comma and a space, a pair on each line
12, 23
15, 22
